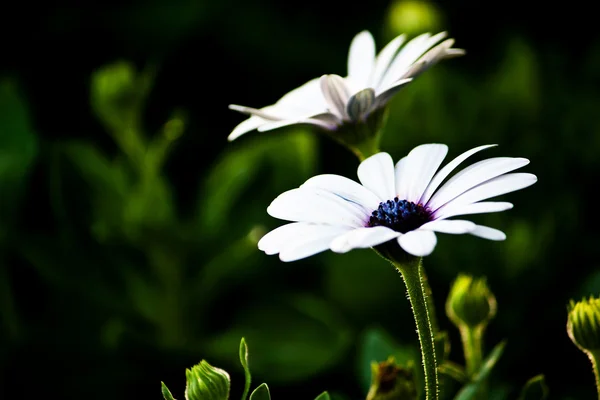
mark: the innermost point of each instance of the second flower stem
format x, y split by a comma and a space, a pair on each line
595, 359
411, 273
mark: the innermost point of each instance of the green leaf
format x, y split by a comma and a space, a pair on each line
18, 150
535, 389
257, 168
376, 345
205, 382
261, 393
244, 362
323, 396
166, 392
470, 391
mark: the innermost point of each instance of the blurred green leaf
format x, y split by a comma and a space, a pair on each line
470, 391
535, 389
244, 362
323, 396
256, 169
166, 392
292, 339
18, 150
376, 345
261, 393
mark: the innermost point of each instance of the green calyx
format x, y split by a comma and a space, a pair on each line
205, 382
470, 302
362, 135
391, 381
583, 324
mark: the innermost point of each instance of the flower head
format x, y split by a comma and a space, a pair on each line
403, 205
331, 102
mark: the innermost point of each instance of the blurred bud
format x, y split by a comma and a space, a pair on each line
390, 381
413, 17
583, 324
470, 302
118, 92
205, 382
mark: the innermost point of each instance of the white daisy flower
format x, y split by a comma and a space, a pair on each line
332, 101
406, 204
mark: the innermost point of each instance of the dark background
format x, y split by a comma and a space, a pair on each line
119, 271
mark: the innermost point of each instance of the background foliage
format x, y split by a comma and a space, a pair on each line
128, 224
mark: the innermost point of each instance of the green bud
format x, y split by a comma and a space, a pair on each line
413, 17
583, 324
205, 382
470, 302
390, 381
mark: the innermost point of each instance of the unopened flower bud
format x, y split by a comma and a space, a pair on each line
205, 382
470, 302
391, 381
583, 324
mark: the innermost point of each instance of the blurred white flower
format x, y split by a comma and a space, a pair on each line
331, 101
406, 204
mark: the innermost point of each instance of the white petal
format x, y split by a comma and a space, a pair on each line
415, 171
444, 172
419, 243
318, 206
361, 59
304, 100
376, 173
336, 94
385, 94
384, 59
308, 245
436, 54
245, 126
472, 176
267, 113
269, 126
451, 209
408, 55
346, 188
494, 187
455, 226
362, 238
488, 233
360, 104
274, 241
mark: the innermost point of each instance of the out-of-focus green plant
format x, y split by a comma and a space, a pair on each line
18, 152
165, 266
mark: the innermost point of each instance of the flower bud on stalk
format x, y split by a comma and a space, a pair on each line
583, 327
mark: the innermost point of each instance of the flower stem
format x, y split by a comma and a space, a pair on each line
472, 339
595, 359
413, 278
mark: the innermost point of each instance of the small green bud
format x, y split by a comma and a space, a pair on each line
205, 382
470, 302
583, 324
390, 381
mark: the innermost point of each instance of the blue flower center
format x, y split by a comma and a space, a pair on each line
400, 215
